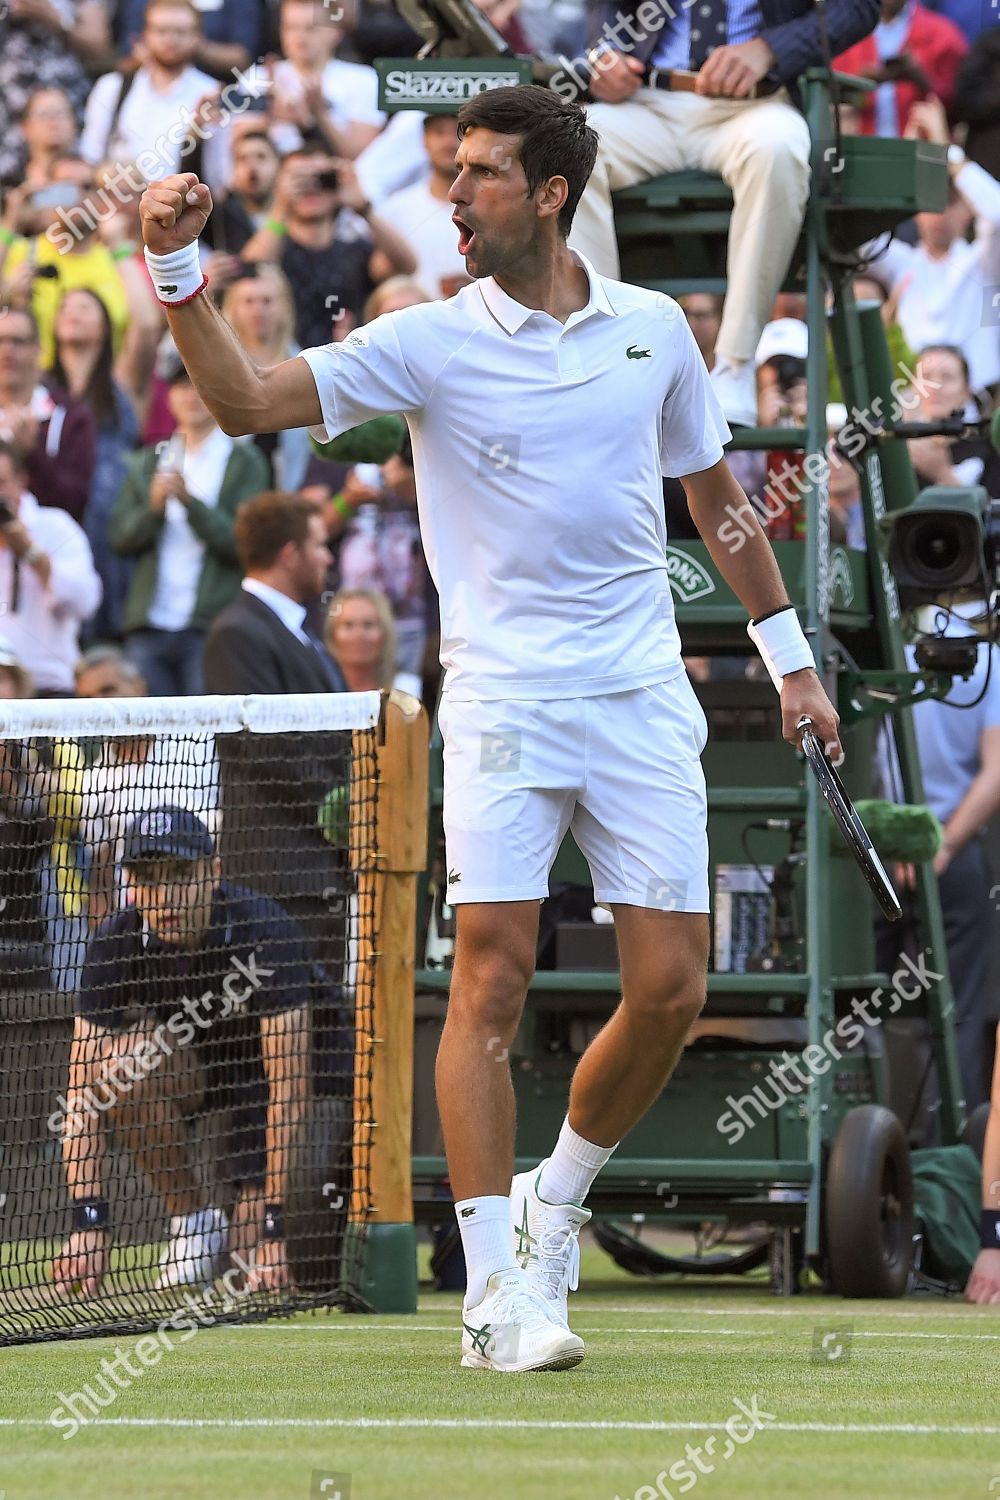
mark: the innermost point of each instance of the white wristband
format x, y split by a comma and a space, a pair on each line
177, 277
781, 643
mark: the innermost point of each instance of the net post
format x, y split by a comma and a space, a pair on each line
387, 900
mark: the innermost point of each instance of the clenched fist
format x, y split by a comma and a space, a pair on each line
174, 212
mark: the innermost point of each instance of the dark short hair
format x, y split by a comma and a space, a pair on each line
955, 353
18, 457
256, 135
269, 522
555, 139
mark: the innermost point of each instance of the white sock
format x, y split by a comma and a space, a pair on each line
569, 1173
488, 1242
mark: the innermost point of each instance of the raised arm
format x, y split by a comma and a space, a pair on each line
242, 396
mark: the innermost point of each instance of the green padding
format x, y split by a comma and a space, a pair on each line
371, 443
947, 1189
909, 832
389, 1277
334, 816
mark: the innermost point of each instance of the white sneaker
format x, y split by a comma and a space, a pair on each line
195, 1249
736, 391
513, 1328
546, 1240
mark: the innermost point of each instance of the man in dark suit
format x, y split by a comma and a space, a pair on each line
273, 785
271, 791
739, 121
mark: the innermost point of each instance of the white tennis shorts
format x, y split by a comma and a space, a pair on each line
622, 770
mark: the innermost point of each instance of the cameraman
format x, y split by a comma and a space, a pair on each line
48, 582
322, 232
194, 998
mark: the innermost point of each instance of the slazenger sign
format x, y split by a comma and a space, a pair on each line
688, 579
443, 87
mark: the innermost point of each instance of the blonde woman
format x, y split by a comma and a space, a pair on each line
361, 637
259, 307
392, 295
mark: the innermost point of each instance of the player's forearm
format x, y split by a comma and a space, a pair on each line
393, 245
226, 377
976, 808
283, 1119
736, 542
83, 1147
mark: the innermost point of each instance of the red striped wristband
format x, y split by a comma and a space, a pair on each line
185, 300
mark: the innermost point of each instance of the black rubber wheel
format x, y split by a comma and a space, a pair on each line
869, 1205
974, 1132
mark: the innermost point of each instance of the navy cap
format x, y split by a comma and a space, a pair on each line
167, 832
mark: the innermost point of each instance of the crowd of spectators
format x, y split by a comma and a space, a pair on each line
122, 490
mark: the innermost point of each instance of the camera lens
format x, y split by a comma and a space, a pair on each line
940, 553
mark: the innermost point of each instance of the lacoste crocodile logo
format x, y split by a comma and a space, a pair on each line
634, 352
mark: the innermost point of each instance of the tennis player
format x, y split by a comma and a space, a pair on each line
544, 403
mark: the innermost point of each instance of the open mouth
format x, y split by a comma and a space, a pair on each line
465, 235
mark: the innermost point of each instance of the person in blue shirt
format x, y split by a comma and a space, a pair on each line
193, 999
231, 32
958, 741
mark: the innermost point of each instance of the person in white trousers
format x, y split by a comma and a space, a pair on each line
740, 122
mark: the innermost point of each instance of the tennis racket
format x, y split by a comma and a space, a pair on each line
847, 820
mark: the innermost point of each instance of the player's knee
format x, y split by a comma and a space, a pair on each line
490, 993
668, 1005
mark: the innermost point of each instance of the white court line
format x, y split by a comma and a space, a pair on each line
878, 1429
773, 1312
373, 1327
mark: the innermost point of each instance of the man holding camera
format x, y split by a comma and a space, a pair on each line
322, 232
48, 582
735, 117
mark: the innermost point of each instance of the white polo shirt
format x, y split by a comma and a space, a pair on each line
538, 449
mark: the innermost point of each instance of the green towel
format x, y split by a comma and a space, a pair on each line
905, 832
947, 1188
372, 443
